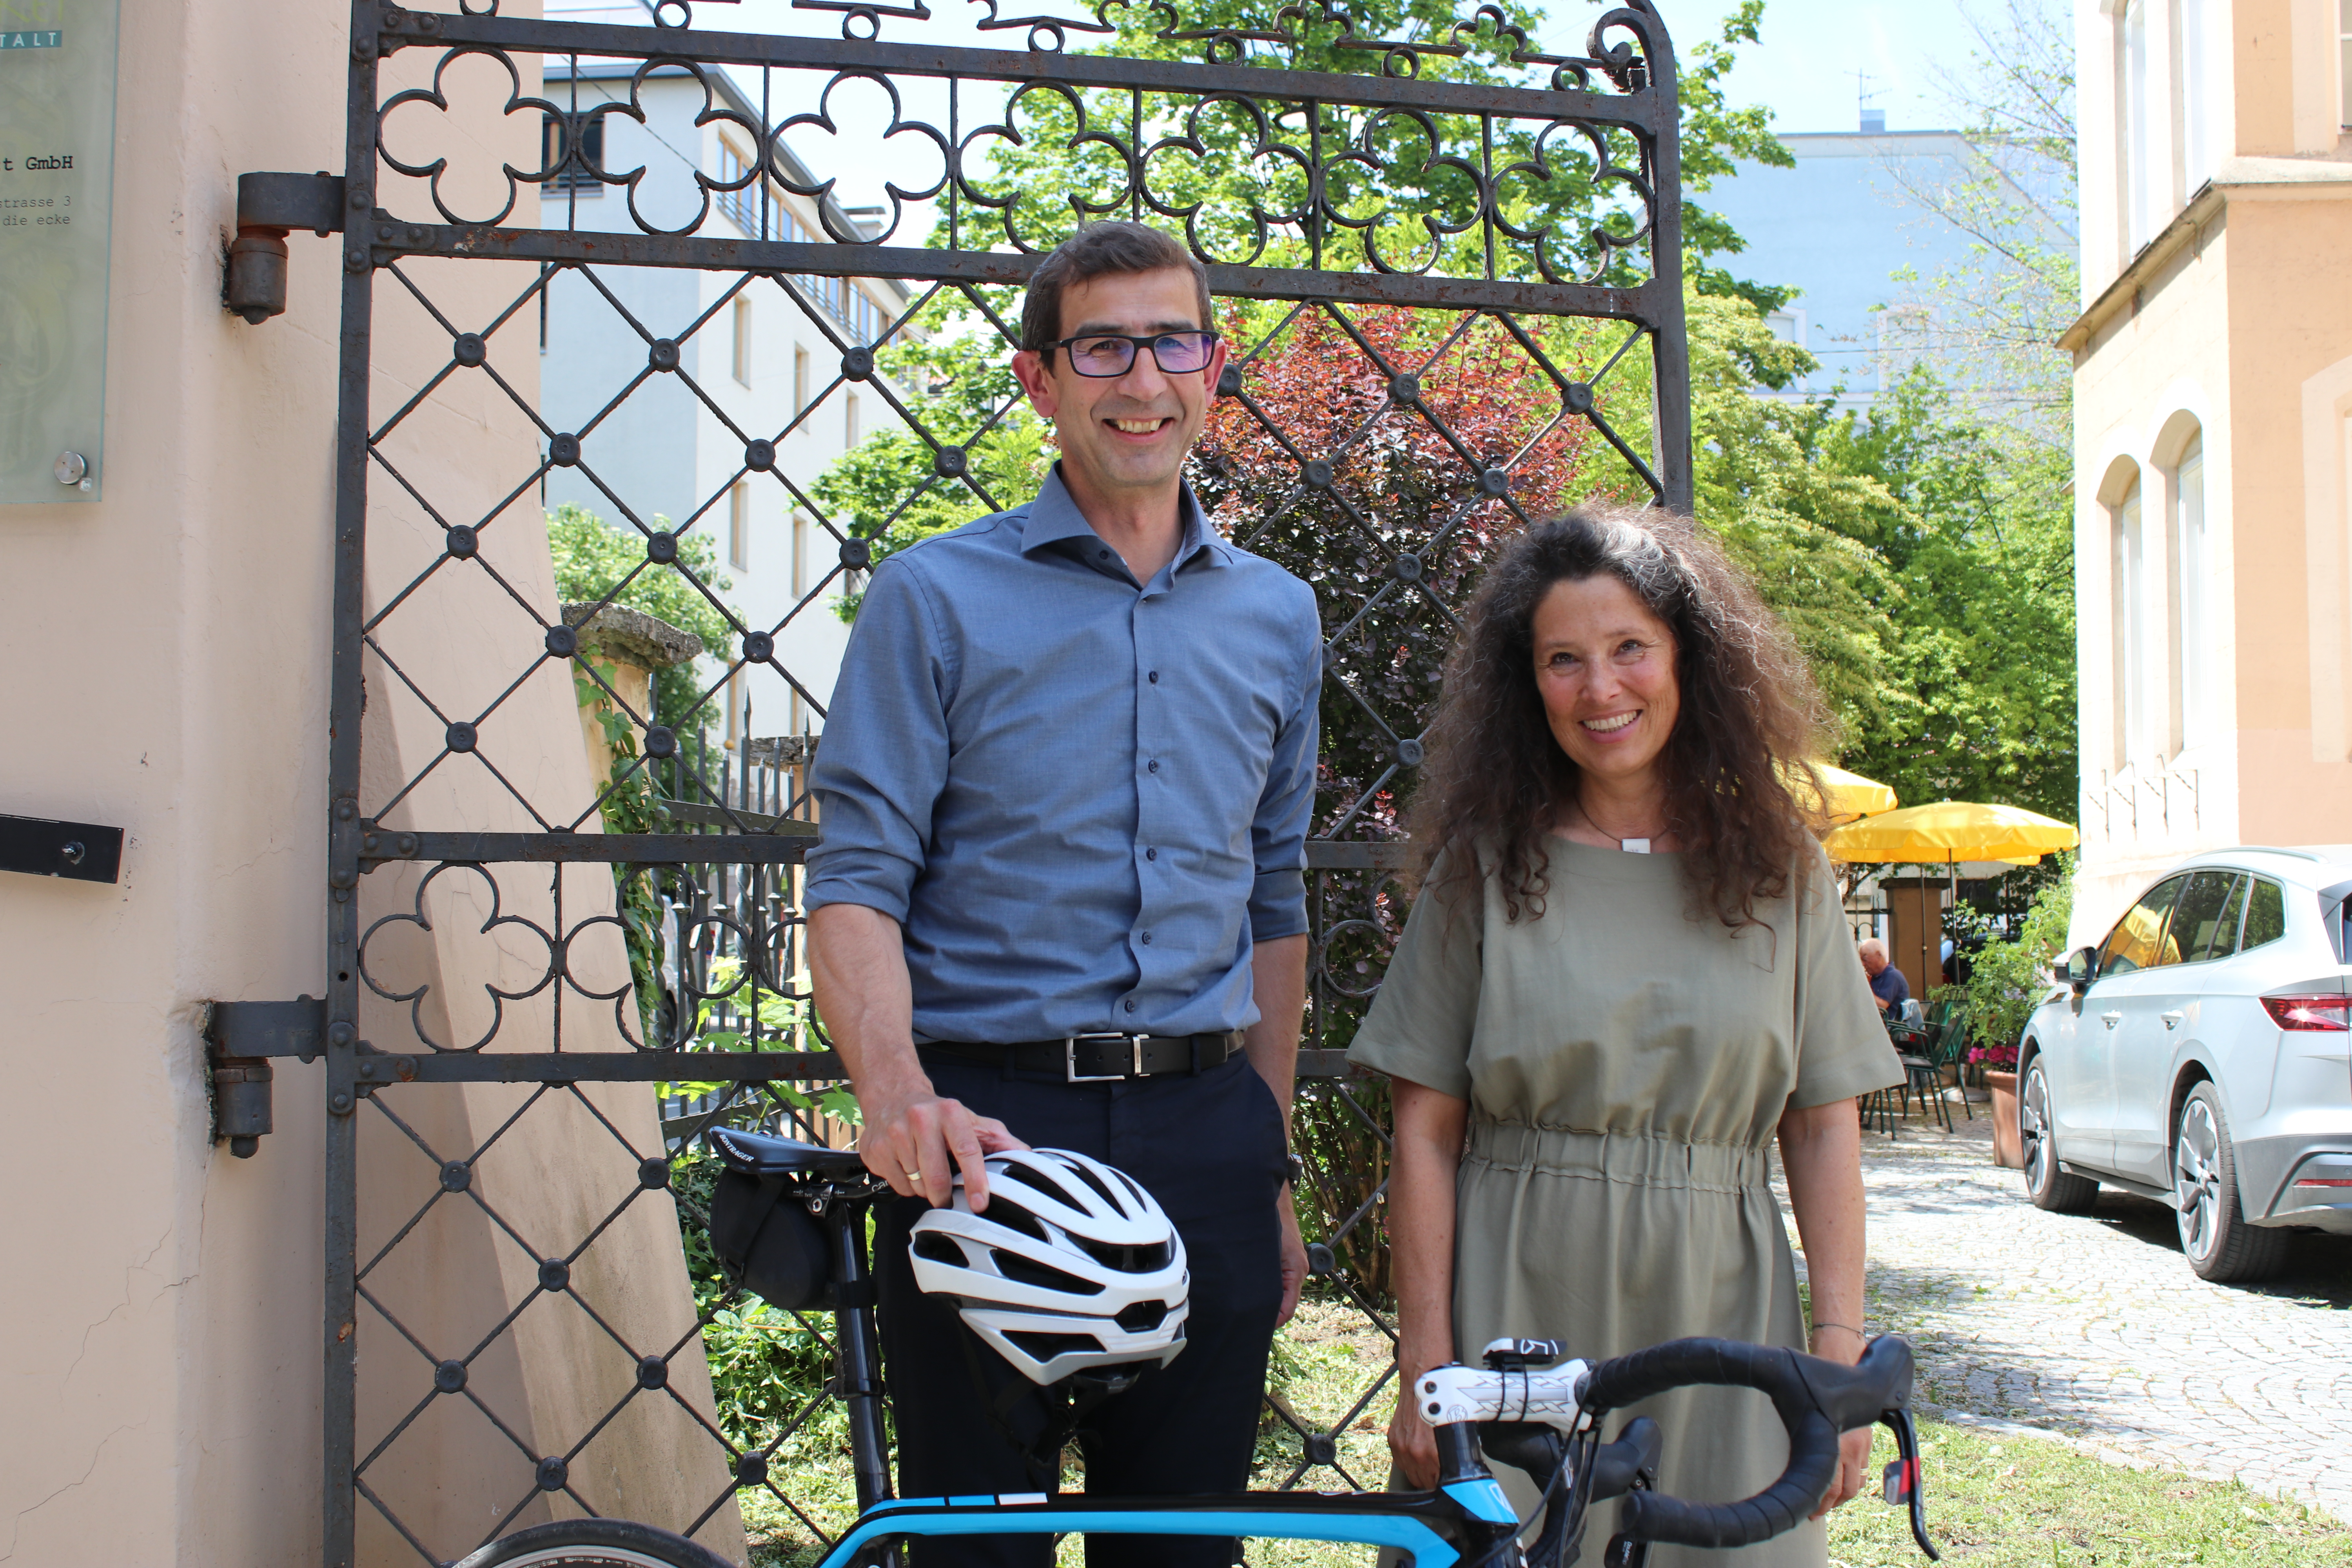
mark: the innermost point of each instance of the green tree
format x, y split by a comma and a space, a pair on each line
1995, 314
959, 389
1922, 556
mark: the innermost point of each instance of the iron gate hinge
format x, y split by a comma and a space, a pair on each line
239, 1039
295, 1028
268, 207
283, 201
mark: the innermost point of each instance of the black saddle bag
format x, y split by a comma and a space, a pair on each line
770, 1244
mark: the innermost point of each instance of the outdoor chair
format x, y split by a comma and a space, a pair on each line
1882, 1106
1952, 1051
1913, 1048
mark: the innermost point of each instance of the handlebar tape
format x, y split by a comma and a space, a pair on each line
1816, 1401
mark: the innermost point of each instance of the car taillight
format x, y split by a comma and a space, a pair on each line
2317, 1012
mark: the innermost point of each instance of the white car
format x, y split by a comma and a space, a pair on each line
2199, 1055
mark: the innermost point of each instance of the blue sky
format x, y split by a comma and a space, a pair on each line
1803, 67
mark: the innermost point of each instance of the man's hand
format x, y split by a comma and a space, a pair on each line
913, 1139
917, 1141
1294, 1258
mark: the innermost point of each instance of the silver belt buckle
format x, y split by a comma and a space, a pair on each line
1070, 1073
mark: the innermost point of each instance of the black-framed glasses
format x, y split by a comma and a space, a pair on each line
1113, 353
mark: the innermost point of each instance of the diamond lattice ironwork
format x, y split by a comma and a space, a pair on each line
1436, 255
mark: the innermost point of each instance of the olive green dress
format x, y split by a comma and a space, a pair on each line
1627, 1067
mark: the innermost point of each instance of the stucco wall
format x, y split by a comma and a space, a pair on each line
2291, 292
169, 665
164, 1333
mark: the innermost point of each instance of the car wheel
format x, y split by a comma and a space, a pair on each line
2220, 1244
2060, 1192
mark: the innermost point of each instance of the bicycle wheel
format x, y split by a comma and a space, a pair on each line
594, 1543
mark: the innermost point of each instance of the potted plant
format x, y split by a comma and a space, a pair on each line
2007, 982
1998, 1065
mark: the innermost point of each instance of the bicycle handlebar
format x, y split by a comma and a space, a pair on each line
1817, 1402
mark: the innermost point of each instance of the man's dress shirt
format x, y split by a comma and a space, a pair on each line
1084, 798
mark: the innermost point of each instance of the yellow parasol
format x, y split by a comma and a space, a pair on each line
1950, 831
1850, 794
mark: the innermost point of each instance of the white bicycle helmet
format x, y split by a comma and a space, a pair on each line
1072, 1267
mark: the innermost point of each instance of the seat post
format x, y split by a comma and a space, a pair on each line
857, 1352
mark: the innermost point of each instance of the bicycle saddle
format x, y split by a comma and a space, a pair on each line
759, 1154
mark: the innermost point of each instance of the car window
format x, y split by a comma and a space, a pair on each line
2135, 944
2196, 916
2234, 913
2265, 913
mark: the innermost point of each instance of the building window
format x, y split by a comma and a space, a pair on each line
1905, 334
2127, 589
2192, 644
2194, 75
749, 208
573, 176
2344, 61
738, 526
743, 340
800, 555
849, 421
800, 382
2137, 162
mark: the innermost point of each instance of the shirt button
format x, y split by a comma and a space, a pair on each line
1130, 1005
1151, 855
1154, 764
1153, 678
1147, 939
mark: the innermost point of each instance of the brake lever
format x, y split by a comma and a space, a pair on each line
1901, 1482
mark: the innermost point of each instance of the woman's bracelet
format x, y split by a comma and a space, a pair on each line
1857, 1333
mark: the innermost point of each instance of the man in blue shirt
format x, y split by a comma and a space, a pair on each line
1059, 901
1886, 983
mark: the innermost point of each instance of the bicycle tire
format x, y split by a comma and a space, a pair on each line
594, 1543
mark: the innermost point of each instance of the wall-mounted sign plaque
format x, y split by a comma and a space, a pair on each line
56, 184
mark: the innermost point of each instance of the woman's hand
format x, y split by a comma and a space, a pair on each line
1821, 1151
1854, 1463
1834, 1341
1412, 1442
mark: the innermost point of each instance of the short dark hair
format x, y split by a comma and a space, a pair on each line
1098, 250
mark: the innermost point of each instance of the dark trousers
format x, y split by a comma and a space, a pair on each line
1209, 1149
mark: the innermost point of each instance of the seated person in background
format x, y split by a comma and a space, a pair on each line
1887, 982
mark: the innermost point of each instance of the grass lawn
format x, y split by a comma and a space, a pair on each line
1993, 1501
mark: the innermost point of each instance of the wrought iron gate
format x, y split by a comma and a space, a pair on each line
1376, 207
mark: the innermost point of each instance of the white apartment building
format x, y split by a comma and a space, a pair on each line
766, 357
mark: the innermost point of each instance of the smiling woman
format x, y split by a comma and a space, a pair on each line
1591, 1049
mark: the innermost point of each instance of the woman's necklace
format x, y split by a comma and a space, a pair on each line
1630, 846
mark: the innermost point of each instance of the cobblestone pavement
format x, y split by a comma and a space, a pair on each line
2092, 1326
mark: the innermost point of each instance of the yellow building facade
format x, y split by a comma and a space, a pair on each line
2213, 433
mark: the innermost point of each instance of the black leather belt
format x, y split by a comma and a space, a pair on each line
1103, 1057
